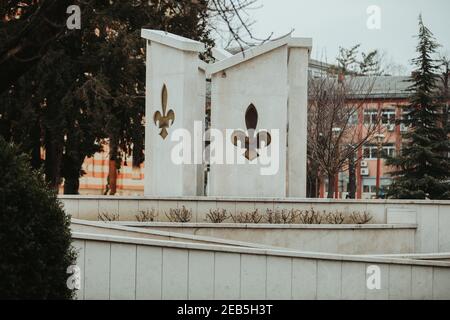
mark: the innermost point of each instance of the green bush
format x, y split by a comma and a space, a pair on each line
35, 239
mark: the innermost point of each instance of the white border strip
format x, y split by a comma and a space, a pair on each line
268, 252
172, 40
256, 51
266, 226
256, 200
113, 226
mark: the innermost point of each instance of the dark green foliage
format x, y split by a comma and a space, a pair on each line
24, 41
423, 166
35, 239
88, 86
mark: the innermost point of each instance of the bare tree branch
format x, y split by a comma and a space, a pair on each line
336, 126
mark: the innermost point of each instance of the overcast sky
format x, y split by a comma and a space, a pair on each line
334, 23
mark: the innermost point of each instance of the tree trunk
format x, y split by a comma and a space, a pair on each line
53, 159
36, 160
72, 173
351, 177
312, 181
312, 187
331, 182
446, 97
72, 185
112, 175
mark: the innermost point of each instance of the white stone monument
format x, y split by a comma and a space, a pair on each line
261, 95
175, 99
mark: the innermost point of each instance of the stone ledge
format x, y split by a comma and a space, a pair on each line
268, 252
186, 237
416, 256
258, 200
267, 226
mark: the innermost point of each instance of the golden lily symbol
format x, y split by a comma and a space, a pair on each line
250, 140
163, 121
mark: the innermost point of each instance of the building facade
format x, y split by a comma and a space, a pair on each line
130, 180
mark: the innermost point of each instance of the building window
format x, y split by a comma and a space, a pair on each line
370, 116
370, 151
369, 189
387, 116
353, 119
388, 151
405, 117
367, 152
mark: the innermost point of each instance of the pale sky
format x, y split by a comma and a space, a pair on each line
334, 23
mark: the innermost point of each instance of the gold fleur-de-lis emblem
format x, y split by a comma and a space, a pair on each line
165, 120
251, 140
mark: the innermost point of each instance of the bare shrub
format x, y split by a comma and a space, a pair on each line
335, 217
217, 216
182, 215
311, 216
147, 216
247, 217
291, 216
282, 217
285, 216
273, 216
361, 218
108, 217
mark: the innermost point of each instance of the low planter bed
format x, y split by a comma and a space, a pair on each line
343, 239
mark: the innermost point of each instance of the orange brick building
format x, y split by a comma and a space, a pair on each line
130, 181
389, 93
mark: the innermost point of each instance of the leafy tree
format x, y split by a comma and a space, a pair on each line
34, 232
423, 166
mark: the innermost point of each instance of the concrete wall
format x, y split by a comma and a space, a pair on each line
345, 239
297, 121
106, 228
178, 70
127, 268
273, 78
432, 217
231, 95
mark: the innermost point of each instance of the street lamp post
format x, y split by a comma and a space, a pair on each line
380, 139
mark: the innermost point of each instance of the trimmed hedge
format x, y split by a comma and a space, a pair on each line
35, 239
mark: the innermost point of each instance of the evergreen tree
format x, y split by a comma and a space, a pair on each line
89, 86
35, 237
423, 166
